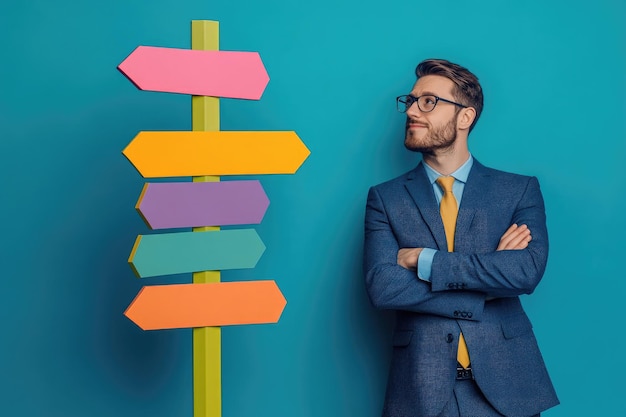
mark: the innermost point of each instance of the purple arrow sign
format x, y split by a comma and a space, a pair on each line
197, 204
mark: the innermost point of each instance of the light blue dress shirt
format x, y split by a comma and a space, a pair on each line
425, 258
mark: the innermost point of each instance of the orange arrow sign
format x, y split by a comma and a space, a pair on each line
201, 305
197, 153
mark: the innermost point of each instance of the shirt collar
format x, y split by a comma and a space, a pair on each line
460, 174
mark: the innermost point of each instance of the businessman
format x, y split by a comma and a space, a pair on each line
450, 246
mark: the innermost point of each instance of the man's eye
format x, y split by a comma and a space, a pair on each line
429, 100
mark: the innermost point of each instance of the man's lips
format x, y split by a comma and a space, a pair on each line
412, 125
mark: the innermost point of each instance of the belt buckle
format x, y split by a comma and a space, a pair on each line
462, 373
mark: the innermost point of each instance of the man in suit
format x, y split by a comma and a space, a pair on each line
450, 246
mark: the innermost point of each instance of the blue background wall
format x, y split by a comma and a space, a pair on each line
554, 76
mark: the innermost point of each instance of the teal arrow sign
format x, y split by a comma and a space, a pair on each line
176, 253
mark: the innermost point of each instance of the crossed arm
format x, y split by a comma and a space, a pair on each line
459, 281
515, 238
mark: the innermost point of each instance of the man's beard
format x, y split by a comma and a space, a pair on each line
436, 139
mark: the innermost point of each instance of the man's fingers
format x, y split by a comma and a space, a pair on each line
509, 235
407, 258
520, 241
509, 231
516, 237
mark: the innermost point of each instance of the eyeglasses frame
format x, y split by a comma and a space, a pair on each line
416, 100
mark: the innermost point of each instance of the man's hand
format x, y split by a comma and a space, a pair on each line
407, 258
515, 238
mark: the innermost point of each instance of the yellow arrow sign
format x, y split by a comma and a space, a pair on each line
197, 153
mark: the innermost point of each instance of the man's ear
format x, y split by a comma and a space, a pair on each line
466, 118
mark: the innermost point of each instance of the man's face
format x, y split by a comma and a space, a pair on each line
437, 129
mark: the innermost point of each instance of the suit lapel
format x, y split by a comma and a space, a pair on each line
473, 195
421, 192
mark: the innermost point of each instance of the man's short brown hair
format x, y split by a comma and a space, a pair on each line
467, 90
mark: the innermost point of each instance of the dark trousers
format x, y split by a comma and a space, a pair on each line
468, 401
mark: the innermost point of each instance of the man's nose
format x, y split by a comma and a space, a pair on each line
413, 110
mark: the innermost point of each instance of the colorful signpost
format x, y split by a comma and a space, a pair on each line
198, 72
168, 205
177, 253
181, 154
199, 305
204, 204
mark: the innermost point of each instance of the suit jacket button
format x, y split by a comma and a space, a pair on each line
449, 338
469, 314
450, 285
456, 314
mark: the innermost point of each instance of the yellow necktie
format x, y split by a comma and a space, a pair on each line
449, 210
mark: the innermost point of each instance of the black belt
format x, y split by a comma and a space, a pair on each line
462, 373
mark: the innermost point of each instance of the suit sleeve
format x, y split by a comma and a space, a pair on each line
391, 286
505, 273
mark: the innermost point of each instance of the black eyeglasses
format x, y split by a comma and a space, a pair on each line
424, 103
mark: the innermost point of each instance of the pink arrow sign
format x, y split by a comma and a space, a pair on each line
166, 205
197, 72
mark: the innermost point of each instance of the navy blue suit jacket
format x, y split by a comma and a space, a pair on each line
474, 289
